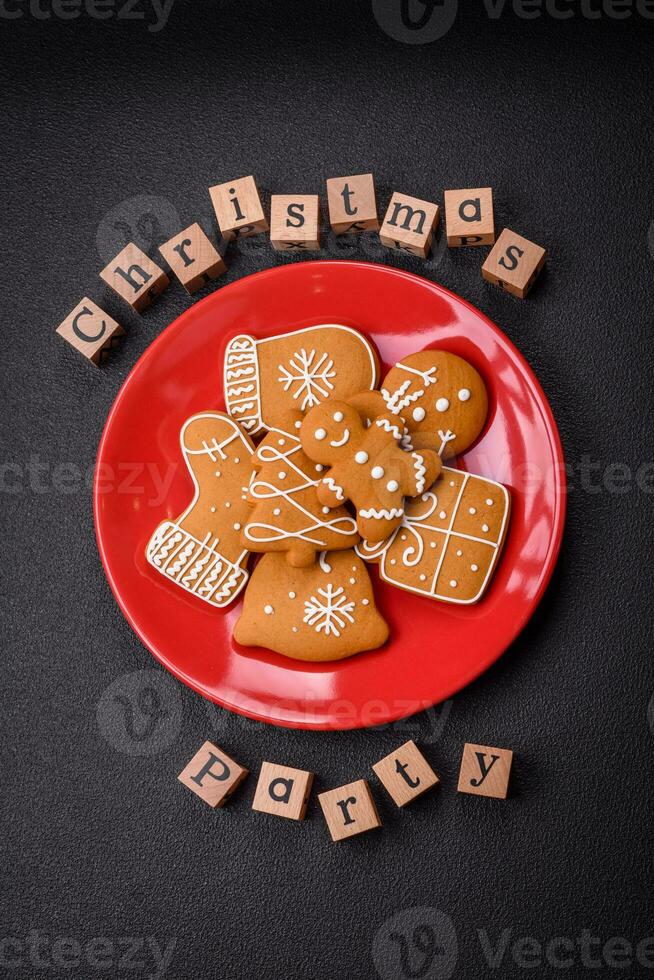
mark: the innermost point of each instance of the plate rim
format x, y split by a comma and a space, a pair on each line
549, 563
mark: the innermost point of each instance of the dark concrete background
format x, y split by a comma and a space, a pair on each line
101, 843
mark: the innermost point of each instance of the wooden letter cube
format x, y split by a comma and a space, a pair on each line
349, 810
283, 791
352, 203
238, 208
469, 217
406, 774
193, 258
135, 277
295, 222
91, 331
514, 263
485, 771
409, 225
212, 775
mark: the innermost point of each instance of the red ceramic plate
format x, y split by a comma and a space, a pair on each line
435, 649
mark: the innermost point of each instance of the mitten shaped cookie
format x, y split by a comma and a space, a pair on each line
287, 514
441, 397
366, 465
266, 379
325, 612
201, 551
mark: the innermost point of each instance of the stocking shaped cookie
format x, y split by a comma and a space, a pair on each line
266, 379
324, 612
201, 551
449, 542
366, 466
287, 514
441, 397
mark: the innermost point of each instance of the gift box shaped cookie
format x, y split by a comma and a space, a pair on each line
450, 539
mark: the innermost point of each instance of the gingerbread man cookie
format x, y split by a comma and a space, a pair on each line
449, 542
325, 612
366, 466
266, 379
201, 551
287, 514
441, 397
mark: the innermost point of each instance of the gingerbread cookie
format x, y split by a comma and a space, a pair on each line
325, 612
201, 551
266, 379
286, 514
450, 539
366, 466
442, 399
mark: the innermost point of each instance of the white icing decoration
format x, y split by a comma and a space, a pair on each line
237, 527
213, 510
485, 527
337, 443
388, 515
453, 583
464, 394
324, 564
459, 553
291, 595
393, 561
319, 467
329, 611
377, 472
320, 434
308, 378
217, 473
361, 457
442, 515
295, 629
420, 471
472, 510
400, 399
445, 438
228, 503
418, 414
325, 510
334, 487
389, 427
236, 459
474, 568
442, 405
282, 474
392, 485
422, 577
365, 602
268, 610
262, 490
298, 424
353, 581
338, 416
489, 502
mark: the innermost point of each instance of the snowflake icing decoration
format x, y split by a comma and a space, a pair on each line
329, 613
308, 377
